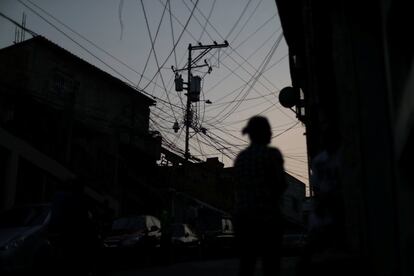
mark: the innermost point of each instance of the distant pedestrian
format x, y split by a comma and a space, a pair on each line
326, 227
260, 183
326, 221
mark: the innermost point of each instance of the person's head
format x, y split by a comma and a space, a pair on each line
259, 130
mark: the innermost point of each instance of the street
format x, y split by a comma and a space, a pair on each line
222, 267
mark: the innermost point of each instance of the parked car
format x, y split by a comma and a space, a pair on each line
24, 244
134, 231
219, 239
184, 236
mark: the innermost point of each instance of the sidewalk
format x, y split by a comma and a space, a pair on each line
224, 267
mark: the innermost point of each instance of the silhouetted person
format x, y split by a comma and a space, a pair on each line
326, 220
260, 182
327, 239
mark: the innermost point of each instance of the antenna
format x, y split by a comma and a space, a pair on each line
16, 35
24, 27
16, 31
19, 31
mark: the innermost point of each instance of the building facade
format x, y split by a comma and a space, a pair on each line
353, 63
79, 116
213, 186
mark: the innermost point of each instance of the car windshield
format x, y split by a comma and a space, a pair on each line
24, 216
129, 223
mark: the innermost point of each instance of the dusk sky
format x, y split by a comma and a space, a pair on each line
245, 80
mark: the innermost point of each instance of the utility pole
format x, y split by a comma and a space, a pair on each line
193, 86
188, 108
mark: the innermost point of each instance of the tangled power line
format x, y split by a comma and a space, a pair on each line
233, 63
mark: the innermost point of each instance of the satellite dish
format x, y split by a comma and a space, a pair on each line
289, 96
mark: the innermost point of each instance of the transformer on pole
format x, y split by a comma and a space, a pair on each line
193, 85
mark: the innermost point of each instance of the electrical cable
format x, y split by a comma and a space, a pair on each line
243, 85
238, 20
77, 43
208, 18
178, 40
155, 38
241, 64
247, 21
172, 32
81, 36
296, 159
18, 25
245, 100
120, 7
286, 130
229, 134
252, 81
155, 54
199, 145
208, 142
202, 14
165, 102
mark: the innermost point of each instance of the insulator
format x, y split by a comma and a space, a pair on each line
178, 83
176, 127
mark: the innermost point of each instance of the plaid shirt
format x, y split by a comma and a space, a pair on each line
260, 180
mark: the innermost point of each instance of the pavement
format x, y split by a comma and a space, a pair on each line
221, 267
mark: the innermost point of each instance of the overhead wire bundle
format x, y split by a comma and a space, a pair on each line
238, 69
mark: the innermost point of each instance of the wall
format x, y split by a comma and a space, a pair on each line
359, 77
293, 200
76, 114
